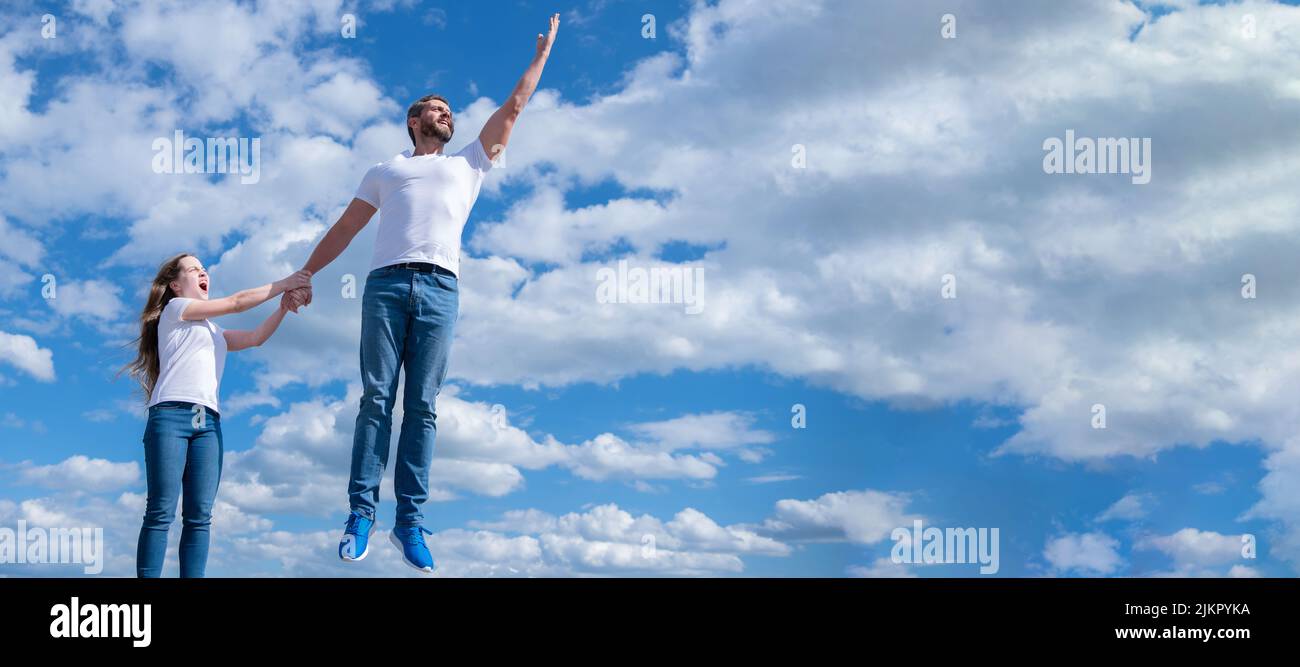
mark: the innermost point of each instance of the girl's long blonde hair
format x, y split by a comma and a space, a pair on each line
145, 367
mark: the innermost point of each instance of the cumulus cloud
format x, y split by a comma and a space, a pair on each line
91, 300
83, 473
1280, 501
1192, 546
26, 355
301, 458
863, 516
120, 517
1089, 554
602, 541
1201, 553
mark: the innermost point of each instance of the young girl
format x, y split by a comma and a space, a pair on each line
181, 357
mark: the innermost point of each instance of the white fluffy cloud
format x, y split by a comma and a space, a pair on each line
1280, 501
120, 518
83, 473
864, 517
301, 459
25, 354
1089, 554
601, 541
1192, 546
1201, 553
93, 300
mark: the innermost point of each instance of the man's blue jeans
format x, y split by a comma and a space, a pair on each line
182, 453
407, 318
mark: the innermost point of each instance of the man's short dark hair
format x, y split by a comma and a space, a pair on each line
417, 108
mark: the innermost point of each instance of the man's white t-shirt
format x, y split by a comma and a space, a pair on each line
423, 203
191, 357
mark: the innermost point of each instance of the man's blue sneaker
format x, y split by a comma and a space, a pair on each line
356, 537
410, 539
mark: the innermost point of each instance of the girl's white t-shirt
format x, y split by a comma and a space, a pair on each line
191, 357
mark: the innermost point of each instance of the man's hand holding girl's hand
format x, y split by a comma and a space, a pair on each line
295, 280
297, 290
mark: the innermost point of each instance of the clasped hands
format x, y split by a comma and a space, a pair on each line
297, 291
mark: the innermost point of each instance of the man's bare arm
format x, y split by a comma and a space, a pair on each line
496, 133
357, 215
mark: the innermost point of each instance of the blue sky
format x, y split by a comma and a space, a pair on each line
821, 284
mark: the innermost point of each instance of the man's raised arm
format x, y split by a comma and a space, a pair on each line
496, 133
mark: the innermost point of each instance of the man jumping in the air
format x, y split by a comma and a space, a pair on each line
411, 300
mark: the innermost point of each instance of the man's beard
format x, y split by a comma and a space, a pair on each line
436, 131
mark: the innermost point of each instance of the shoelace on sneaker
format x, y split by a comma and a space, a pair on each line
353, 525
411, 535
